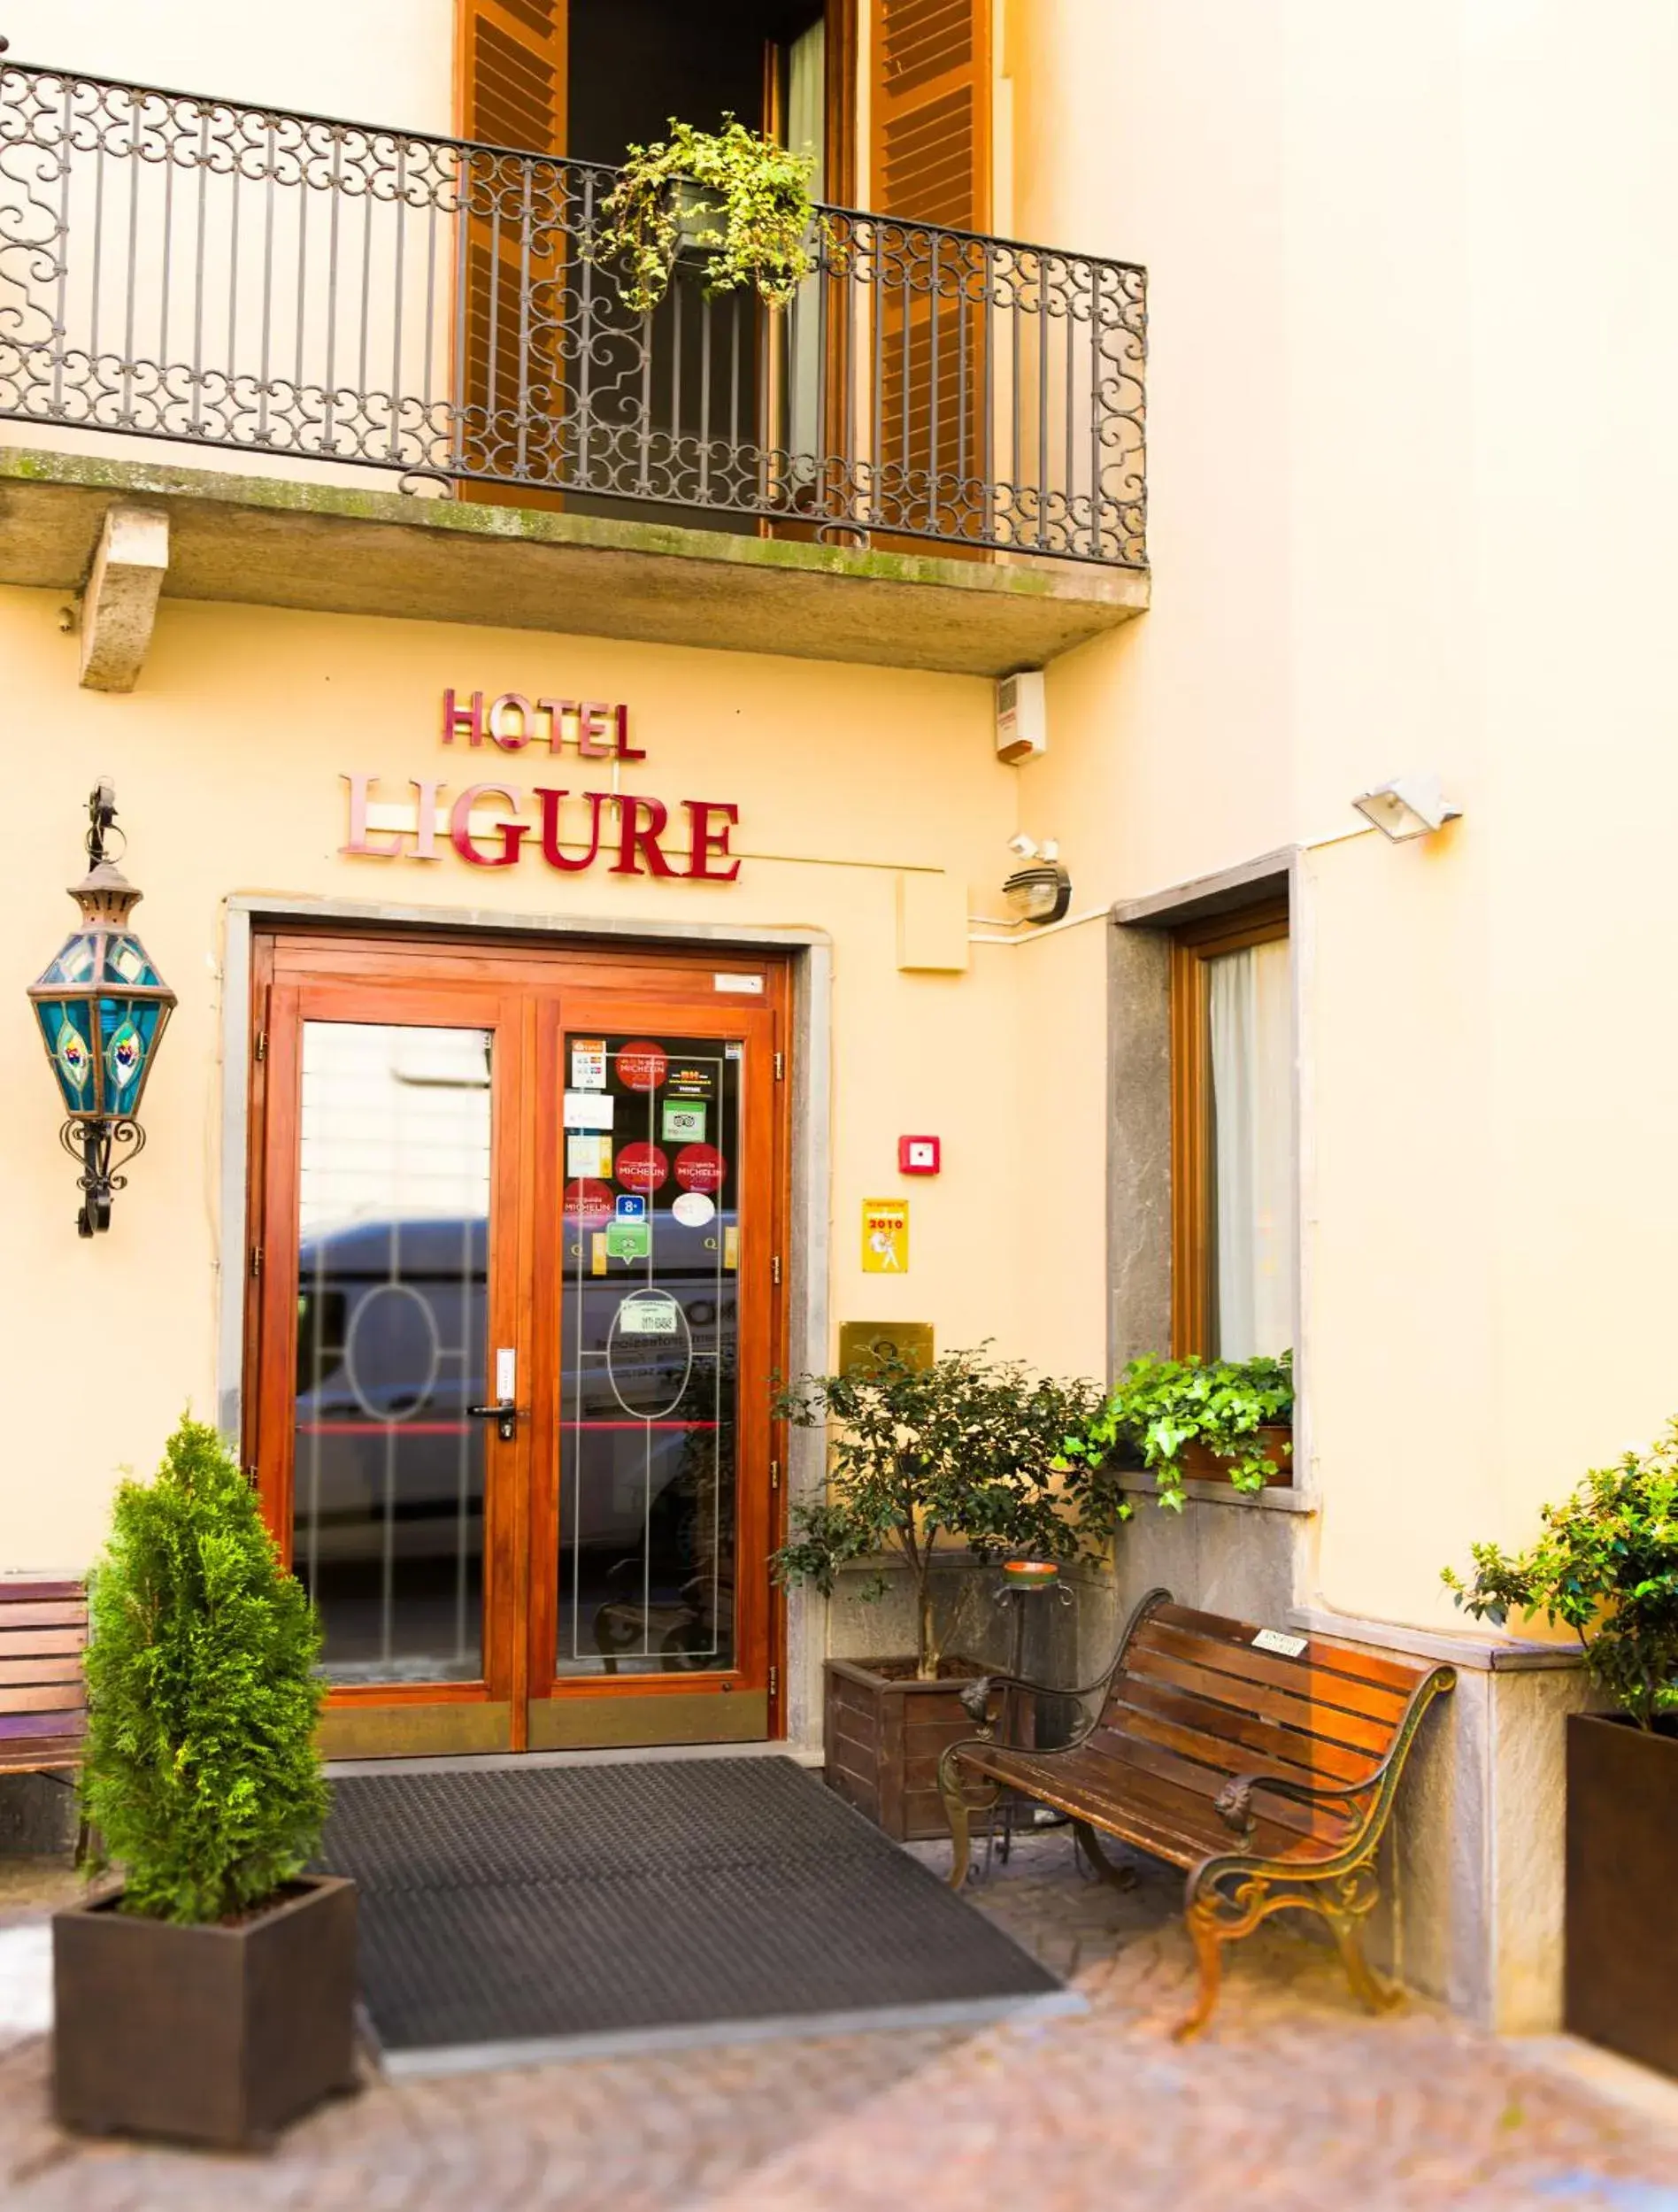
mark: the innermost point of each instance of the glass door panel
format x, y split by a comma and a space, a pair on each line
392, 1322
649, 1355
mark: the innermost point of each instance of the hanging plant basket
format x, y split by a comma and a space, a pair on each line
731, 203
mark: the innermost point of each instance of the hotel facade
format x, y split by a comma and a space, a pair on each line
560, 748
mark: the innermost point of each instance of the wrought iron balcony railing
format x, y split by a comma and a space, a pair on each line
230, 277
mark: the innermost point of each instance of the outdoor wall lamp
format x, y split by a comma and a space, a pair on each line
102, 1008
1041, 891
1409, 806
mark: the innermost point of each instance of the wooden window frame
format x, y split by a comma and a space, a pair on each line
1192, 946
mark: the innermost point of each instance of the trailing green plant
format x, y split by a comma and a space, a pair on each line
201, 1775
751, 196
1607, 1565
966, 1448
1161, 1405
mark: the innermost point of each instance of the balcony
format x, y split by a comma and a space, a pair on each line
398, 352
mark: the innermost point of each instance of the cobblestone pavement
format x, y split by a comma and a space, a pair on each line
1294, 2100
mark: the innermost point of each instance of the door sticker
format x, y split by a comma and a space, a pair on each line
588, 1202
588, 1109
589, 1063
628, 1237
700, 1167
693, 1209
682, 1123
589, 1156
643, 1168
643, 1065
649, 1314
885, 1235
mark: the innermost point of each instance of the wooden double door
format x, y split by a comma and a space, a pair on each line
515, 1302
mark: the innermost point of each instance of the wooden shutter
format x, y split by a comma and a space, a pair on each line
930, 133
512, 73
931, 111
510, 80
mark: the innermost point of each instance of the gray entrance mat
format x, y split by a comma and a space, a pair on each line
551, 1912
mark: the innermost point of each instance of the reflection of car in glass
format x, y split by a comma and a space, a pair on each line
392, 1336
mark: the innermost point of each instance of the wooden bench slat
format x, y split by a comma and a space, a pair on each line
49, 1614
1211, 1752
1402, 1675
20, 1730
29, 1643
50, 1697
1350, 1728
1144, 1811
1322, 1687
58, 1666
1202, 1783
1250, 1736
49, 1755
17, 1589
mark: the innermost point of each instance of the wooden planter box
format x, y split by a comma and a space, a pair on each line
212, 2035
883, 1737
1200, 1465
1622, 1952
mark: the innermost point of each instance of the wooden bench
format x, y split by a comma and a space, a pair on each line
1268, 1774
43, 1698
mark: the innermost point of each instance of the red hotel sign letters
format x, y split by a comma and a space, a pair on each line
572, 829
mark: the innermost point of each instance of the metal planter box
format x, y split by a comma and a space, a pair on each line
212, 2035
1622, 1876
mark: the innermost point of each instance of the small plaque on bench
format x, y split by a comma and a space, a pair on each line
1274, 1640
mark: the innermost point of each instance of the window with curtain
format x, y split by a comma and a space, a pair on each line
1233, 1138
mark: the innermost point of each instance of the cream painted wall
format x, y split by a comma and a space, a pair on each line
1411, 471
377, 61
226, 762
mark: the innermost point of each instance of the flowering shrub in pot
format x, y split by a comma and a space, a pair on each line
966, 1451
1606, 1565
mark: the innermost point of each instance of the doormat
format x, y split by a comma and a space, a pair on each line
552, 1912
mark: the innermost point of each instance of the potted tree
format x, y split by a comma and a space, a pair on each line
1217, 1419
1607, 1565
211, 1997
921, 1460
731, 200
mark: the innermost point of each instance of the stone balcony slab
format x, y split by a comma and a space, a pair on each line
333, 547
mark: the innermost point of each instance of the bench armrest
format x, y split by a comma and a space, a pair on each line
1234, 1800
976, 1697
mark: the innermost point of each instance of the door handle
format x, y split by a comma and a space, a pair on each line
503, 1412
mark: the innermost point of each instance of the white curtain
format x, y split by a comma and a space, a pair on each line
806, 125
1252, 1149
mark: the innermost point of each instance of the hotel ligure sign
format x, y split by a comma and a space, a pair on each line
584, 821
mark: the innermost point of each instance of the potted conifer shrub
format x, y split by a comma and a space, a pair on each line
211, 1997
1607, 1565
966, 1450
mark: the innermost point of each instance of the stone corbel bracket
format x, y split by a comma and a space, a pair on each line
120, 605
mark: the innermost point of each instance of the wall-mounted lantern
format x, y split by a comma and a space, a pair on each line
102, 1008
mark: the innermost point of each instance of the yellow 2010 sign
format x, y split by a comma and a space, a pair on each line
885, 1237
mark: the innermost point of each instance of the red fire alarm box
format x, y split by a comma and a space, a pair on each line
919, 1156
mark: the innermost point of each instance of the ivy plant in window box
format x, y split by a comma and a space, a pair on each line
964, 1451
1606, 1565
731, 200
211, 1997
1211, 1419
